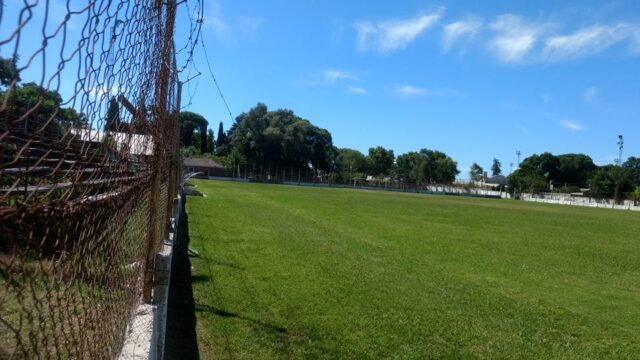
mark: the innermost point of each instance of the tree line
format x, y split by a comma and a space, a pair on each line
280, 138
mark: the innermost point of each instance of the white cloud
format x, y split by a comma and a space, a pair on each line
335, 75
571, 125
590, 93
215, 21
356, 90
387, 36
459, 30
588, 41
514, 37
408, 90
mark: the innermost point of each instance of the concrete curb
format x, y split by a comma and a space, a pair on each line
146, 331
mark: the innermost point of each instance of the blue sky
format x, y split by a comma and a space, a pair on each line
475, 79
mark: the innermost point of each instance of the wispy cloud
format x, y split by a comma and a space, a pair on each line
590, 93
514, 37
546, 98
412, 91
571, 125
408, 90
587, 41
335, 75
391, 35
459, 30
356, 90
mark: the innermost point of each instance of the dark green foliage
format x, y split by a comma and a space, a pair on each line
280, 138
633, 166
112, 123
436, 167
44, 108
380, 160
568, 171
475, 172
406, 166
610, 181
189, 122
496, 167
350, 163
574, 169
8, 71
211, 144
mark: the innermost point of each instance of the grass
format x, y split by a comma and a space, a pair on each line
295, 272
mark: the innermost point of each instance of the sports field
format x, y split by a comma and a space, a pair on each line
300, 272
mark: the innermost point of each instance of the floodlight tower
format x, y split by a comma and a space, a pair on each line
518, 153
620, 148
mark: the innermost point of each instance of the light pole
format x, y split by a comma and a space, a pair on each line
518, 153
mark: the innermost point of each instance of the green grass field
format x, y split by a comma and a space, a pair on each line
295, 272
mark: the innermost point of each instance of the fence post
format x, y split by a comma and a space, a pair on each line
162, 123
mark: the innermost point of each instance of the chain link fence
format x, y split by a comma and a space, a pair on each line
89, 169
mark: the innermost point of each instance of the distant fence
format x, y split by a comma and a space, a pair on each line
567, 199
306, 176
89, 170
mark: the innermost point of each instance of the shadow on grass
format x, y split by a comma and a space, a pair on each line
228, 314
181, 341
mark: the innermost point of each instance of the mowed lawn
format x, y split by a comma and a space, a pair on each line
300, 272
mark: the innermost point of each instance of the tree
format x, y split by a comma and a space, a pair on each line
496, 168
221, 138
380, 160
189, 121
350, 163
610, 181
112, 123
475, 172
280, 138
574, 170
406, 166
436, 167
635, 196
211, 144
633, 166
42, 109
8, 71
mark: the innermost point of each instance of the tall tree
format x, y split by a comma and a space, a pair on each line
610, 181
406, 166
475, 172
380, 160
280, 138
8, 71
436, 167
210, 142
112, 123
221, 138
496, 167
350, 163
633, 166
189, 121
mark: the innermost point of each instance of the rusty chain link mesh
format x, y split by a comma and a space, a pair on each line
89, 168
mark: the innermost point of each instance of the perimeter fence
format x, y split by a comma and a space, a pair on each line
307, 176
89, 169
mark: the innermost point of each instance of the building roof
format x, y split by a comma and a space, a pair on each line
496, 180
201, 162
132, 144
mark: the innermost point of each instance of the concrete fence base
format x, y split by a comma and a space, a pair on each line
145, 336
